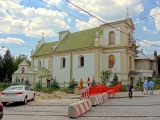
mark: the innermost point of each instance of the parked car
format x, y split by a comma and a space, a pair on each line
1, 110
18, 93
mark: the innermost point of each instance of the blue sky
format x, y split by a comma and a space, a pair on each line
23, 21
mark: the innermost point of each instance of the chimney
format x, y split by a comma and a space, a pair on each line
62, 34
155, 53
141, 50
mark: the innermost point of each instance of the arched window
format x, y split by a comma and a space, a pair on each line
81, 61
23, 70
129, 38
63, 62
130, 63
39, 63
111, 38
111, 61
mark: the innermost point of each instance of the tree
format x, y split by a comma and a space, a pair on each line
1, 69
72, 84
55, 84
115, 80
105, 76
8, 67
27, 82
93, 82
39, 84
139, 82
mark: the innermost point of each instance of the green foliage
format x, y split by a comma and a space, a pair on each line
115, 80
158, 63
93, 82
55, 84
156, 81
4, 85
27, 82
124, 88
38, 85
15, 83
105, 76
139, 82
72, 84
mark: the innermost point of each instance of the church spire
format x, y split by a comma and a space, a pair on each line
127, 16
42, 36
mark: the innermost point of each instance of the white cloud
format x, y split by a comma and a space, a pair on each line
80, 25
145, 29
149, 43
110, 10
3, 50
69, 19
11, 40
157, 2
57, 2
156, 17
18, 19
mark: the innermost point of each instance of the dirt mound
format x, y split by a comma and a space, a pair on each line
51, 96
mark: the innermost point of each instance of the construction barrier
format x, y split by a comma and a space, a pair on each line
105, 96
99, 89
84, 93
96, 99
78, 108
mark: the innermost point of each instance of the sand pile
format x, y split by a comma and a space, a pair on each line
51, 96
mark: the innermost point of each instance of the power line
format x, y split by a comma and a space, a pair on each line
109, 24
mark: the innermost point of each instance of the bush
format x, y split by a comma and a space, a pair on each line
27, 82
139, 82
93, 82
115, 80
54, 84
124, 88
15, 83
72, 84
4, 85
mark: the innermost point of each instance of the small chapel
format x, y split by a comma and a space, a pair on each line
86, 54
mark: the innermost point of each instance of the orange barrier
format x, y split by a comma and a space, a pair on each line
99, 89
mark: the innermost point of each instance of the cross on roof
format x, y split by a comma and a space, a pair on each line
127, 16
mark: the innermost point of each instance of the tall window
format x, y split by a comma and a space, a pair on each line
63, 62
23, 70
111, 61
81, 61
129, 38
39, 63
111, 38
49, 64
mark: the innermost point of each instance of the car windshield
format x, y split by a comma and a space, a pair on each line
15, 88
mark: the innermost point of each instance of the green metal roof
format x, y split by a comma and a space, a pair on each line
45, 48
81, 39
42, 71
31, 68
77, 40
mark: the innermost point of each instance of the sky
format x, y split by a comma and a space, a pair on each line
22, 22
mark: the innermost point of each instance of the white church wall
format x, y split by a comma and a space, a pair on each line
117, 61
101, 62
46, 62
61, 74
87, 70
36, 62
106, 31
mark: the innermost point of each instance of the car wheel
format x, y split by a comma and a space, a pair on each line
4, 103
33, 97
25, 100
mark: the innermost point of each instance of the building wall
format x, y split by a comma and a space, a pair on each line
142, 64
106, 32
87, 70
46, 63
61, 74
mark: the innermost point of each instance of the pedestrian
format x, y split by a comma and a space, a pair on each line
130, 89
151, 86
145, 86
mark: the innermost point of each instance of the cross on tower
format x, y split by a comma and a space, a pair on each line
42, 36
127, 16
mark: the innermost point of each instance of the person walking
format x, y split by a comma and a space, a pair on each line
145, 86
130, 89
151, 86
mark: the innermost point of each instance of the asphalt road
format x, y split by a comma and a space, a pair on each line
138, 108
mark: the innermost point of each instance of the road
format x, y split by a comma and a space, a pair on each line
138, 108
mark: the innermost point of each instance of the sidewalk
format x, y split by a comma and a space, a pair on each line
136, 94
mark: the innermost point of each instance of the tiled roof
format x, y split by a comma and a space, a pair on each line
143, 56
31, 68
45, 48
81, 39
42, 71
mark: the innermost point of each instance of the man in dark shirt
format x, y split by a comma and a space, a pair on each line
130, 89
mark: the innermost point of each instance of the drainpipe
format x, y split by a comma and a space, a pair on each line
71, 65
